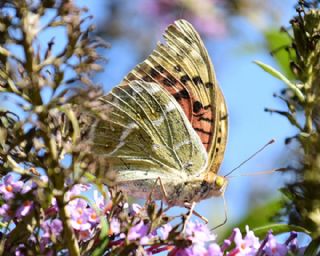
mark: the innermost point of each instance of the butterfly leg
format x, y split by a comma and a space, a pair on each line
163, 191
188, 216
188, 206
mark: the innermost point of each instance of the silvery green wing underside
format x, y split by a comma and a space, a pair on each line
147, 135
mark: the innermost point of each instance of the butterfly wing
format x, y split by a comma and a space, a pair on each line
146, 135
183, 67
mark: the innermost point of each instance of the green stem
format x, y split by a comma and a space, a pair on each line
69, 236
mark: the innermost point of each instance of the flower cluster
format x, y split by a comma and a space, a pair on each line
14, 209
132, 229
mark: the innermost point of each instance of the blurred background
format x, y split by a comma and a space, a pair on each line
235, 32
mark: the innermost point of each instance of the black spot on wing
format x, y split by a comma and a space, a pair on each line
209, 85
154, 73
160, 68
184, 79
183, 94
169, 81
147, 79
197, 80
178, 68
202, 131
197, 106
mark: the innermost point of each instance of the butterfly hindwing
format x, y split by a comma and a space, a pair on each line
147, 135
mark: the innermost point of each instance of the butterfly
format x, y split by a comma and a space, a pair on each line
167, 121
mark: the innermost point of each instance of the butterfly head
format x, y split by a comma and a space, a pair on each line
216, 185
220, 183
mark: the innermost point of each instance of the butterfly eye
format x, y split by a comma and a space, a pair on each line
219, 182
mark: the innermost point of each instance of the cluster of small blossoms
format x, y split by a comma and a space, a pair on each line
132, 229
8, 190
197, 240
16, 204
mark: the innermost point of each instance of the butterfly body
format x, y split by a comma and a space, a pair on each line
167, 120
178, 191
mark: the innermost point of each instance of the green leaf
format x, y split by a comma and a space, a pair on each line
278, 228
279, 44
281, 77
103, 237
313, 248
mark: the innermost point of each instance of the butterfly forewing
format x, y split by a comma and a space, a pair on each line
146, 134
183, 67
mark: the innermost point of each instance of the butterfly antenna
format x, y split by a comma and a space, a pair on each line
259, 173
250, 157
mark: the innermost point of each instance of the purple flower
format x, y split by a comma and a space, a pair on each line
196, 250
199, 233
138, 230
164, 231
20, 250
135, 209
80, 222
101, 202
93, 216
80, 208
77, 207
147, 239
114, 226
9, 187
80, 215
52, 228
273, 248
245, 246
214, 250
85, 235
28, 186
6, 213
76, 190
24, 209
